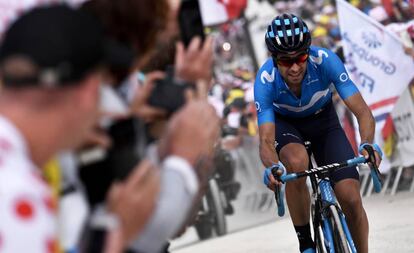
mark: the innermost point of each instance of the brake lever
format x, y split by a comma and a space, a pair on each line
279, 193
375, 173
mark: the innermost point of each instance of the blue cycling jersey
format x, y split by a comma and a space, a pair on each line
324, 68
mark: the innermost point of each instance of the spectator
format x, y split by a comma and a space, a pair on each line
181, 178
131, 23
50, 63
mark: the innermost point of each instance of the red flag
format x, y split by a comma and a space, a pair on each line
234, 7
388, 135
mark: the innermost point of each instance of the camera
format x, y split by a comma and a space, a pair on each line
99, 167
168, 93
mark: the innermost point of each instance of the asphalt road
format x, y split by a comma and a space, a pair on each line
391, 231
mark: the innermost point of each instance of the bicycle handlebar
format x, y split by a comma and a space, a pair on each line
375, 175
333, 166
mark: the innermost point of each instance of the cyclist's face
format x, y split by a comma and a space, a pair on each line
292, 67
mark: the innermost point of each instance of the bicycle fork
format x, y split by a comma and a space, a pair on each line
347, 232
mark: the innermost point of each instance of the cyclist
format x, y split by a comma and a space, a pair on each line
293, 102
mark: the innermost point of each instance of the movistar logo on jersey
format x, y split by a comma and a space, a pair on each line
371, 40
318, 60
268, 77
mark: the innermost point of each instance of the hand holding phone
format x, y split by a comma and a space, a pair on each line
195, 62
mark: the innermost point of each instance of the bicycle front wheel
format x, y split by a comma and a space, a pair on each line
339, 237
216, 207
317, 229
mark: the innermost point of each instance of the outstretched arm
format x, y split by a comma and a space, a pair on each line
268, 153
348, 91
366, 121
264, 94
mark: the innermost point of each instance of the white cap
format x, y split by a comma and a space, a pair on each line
378, 13
328, 9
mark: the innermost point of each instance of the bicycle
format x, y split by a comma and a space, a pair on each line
216, 203
211, 215
330, 230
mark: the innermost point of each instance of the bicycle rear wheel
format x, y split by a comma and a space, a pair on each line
339, 237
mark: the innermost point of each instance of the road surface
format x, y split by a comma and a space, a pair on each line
391, 231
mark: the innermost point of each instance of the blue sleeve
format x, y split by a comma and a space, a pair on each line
264, 92
336, 73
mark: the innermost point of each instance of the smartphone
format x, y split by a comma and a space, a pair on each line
190, 21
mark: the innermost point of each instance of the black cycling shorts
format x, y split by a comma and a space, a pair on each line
329, 143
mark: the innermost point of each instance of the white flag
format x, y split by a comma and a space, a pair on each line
376, 61
403, 118
213, 12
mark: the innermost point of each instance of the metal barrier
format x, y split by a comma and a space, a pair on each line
367, 186
412, 186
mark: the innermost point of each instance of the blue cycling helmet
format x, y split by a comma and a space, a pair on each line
286, 34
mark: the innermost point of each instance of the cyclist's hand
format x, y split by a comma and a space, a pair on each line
269, 180
363, 150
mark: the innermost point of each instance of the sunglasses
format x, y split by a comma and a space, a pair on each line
288, 62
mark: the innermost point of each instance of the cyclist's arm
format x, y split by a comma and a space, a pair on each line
366, 121
347, 90
264, 91
267, 149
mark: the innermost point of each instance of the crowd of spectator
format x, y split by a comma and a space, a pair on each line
70, 92
322, 19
